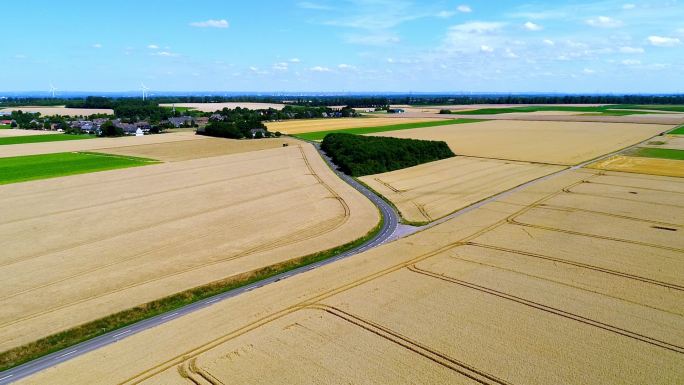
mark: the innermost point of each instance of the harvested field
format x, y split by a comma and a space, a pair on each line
109, 241
194, 149
97, 144
292, 127
565, 281
563, 143
211, 107
654, 166
433, 190
19, 132
674, 142
61, 110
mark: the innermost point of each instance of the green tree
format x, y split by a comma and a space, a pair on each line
109, 129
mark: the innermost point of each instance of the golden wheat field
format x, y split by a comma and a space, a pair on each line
61, 110
95, 144
292, 127
576, 279
111, 240
563, 143
211, 107
20, 132
193, 149
655, 166
433, 190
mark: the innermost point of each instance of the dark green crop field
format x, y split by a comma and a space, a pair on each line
41, 138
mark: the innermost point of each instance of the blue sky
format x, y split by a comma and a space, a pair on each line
344, 45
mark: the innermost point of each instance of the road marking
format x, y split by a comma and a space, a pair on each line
68, 353
169, 316
6, 377
214, 300
122, 333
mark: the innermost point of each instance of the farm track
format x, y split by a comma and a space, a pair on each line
581, 265
551, 309
304, 234
416, 347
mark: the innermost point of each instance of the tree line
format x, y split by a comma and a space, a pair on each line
358, 155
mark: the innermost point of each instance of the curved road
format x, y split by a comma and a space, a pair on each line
390, 222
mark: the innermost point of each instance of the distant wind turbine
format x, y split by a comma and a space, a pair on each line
144, 90
52, 89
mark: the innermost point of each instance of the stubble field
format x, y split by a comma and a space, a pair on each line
116, 239
562, 143
292, 127
433, 190
576, 280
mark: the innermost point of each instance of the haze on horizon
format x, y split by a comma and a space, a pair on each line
351, 45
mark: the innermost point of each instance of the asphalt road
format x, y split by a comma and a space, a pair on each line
389, 225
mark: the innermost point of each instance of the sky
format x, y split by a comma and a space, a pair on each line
343, 46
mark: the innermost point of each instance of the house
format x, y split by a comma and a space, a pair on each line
254, 132
182, 121
6, 122
216, 117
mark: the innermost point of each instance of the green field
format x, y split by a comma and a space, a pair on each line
655, 107
600, 110
664, 153
319, 135
41, 138
31, 167
677, 131
181, 109
4, 126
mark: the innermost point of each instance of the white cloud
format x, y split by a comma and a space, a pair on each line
510, 54
97, 45
631, 50
153, 46
530, 26
390, 60
630, 62
20, 56
464, 8
486, 48
346, 66
664, 41
477, 27
629, 6
549, 42
295, 60
588, 71
211, 23
165, 53
319, 69
282, 66
604, 22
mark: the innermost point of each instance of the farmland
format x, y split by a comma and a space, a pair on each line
294, 127
145, 251
211, 107
40, 138
562, 143
319, 135
32, 167
430, 191
61, 110
554, 276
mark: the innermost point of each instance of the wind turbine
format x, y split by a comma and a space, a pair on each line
144, 90
52, 90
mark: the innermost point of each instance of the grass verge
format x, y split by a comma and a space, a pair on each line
5, 126
677, 131
663, 153
32, 167
41, 138
73, 336
319, 135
